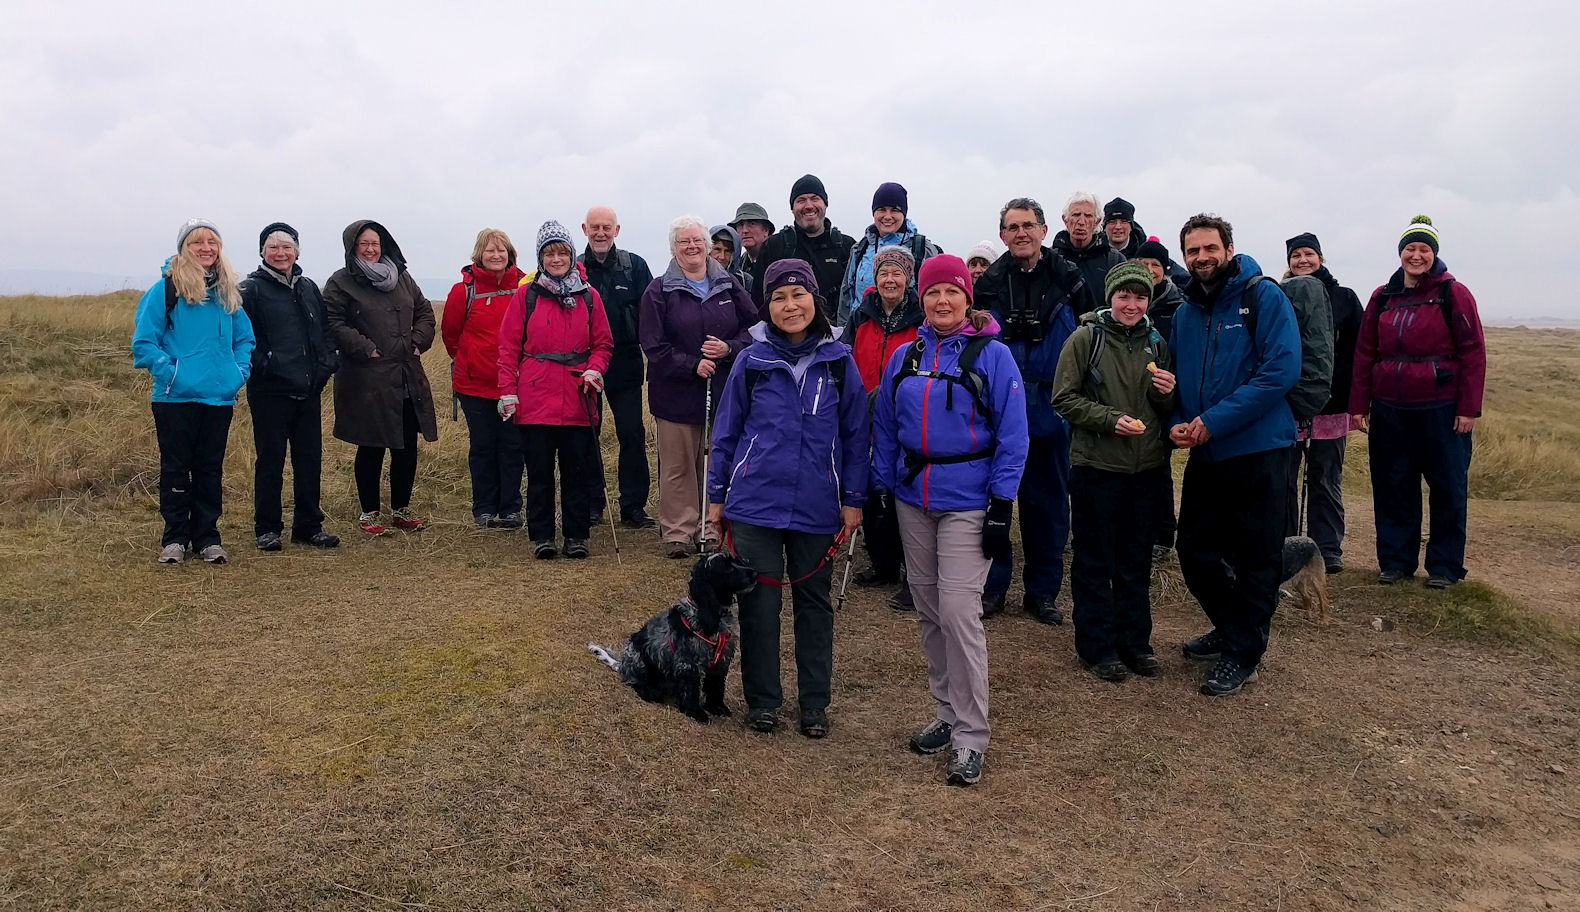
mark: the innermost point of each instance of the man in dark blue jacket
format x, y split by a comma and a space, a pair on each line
1237, 354
1035, 296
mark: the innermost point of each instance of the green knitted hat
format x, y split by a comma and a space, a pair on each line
1420, 230
1127, 273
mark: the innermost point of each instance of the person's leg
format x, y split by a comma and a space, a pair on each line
1297, 471
271, 428
1254, 540
509, 466
1135, 514
919, 531
307, 461
764, 549
1446, 461
367, 467
576, 448
1092, 515
814, 616
1325, 497
962, 570
537, 445
1204, 498
1166, 524
403, 462
484, 433
880, 531
176, 429
634, 479
1396, 489
678, 494
595, 478
208, 473
1047, 514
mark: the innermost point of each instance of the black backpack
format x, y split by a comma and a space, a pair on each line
974, 382
569, 359
1311, 391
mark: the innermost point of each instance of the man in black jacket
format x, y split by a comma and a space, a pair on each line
292, 361
810, 236
620, 277
1082, 244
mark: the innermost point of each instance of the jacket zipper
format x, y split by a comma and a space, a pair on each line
742, 463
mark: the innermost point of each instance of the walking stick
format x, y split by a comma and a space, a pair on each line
850, 560
595, 419
707, 450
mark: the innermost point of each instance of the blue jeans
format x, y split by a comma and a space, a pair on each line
1406, 446
1044, 506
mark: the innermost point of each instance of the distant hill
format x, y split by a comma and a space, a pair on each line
59, 282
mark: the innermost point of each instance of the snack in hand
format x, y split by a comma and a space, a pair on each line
1152, 366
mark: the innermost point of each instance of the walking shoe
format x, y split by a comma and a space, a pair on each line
1204, 648
214, 554
595, 518
1160, 553
636, 519
407, 521
814, 723
1226, 678
576, 548
1334, 565
1043, 609
992, 603
901, 600
965, 767
1110, 670
484, 521
269, 541
872, 577
319, 539
372, 523
543, 550
1145, 664
510, 520
1389, 577
675, 550
1439, 582
932, 739
172, 554
762, 720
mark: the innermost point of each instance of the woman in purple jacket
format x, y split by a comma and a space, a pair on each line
949, 440
788, 471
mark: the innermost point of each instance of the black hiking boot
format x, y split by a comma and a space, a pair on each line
1227, 677
1204, 648
932, 739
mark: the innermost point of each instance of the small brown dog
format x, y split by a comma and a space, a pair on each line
1306, 573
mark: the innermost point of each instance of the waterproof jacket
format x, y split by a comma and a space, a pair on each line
1347, 313
859, 275
828, 254
294, 356
1407, 355
1172, 271
1093, 397
932, 417
620, 279
737, 254
541, 363
874, 336
1058, 291
674, 322
471, 335
1234, 383
1094, 260
199, 353
1166, 298
788, 452
398, 325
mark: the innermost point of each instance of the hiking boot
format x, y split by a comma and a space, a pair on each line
269, 541
762, 720
1043, 609
576, 548
965, 767
1439, 582
595, 518
511, 520
1334, 565
172, 554
319, 539
636, 518
814, 723
214, 554
543, 550
484, 521
932, 739
1145, 664
992, 603
1227, 677
1389, 577
407, 521
901, 600
372, 523
1111, 670
1204, 648
675, 550
1160, 553
872, 577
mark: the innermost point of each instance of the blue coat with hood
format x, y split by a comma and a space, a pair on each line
796, 451
199, 353
860, 275
1235, 384
936, 418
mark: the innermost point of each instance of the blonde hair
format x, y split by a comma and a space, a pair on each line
187, 274
492, 234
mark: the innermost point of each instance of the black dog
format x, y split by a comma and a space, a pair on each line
687, 649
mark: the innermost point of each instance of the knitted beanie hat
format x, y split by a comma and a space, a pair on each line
944, 268
1127, 273
1119, 208
553, 232
984, 250
1153, 249
808, 183
1420, 230
191, 225
272, 227
894, 255
1304, 239
890, 194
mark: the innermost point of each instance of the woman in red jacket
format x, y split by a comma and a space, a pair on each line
472, 314
554, 346
1420, 365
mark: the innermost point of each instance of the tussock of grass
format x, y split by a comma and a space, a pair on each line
1472, 610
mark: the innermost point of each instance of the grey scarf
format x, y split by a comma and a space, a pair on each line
384, 274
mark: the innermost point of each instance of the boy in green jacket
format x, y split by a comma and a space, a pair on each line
1115, 387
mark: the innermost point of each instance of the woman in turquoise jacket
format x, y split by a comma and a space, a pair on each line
193, 338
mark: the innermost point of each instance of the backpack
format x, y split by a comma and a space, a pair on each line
569, 359
754, 375
1093, 374
975, 383
1445, 303
1313, 389
472, 295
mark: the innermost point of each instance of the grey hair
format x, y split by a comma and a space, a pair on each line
681, 224
281, 236
1082, 196
1022, 202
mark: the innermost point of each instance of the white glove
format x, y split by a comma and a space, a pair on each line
507, 407
592, 380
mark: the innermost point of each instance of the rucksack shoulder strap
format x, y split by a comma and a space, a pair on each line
1249, 306
1094, 373
170, 299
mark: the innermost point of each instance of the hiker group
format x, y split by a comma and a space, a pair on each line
804, 386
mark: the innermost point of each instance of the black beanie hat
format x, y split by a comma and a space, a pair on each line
808, 183
1119, 208
1304, 239
1153, 250
271, 228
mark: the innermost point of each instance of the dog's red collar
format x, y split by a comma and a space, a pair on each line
718, 641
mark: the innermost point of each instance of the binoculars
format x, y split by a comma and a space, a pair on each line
1022, 326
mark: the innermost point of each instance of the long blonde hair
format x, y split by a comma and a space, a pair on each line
187, 274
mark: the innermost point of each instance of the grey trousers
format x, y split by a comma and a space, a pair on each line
1323, 468
680, 481
943, 558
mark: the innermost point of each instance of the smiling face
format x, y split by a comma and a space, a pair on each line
891, 282
1022, 233
976, 267
792, 307
495, 256
809, 209
1304, 261
691, 249
556, 259
1129, 305
1416, 258
1205, 253
1081, 222
280, 255
601, 228
1118, 231
945, 305
202, 245
887, 219
368, 246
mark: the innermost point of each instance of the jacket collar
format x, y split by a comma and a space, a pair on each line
675, 280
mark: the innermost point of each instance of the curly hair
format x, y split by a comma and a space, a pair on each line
1208, 220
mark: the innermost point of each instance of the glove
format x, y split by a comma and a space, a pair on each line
882, 506
592, 380
995, 529
507, 407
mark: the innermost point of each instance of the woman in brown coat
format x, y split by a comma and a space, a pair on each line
383, 323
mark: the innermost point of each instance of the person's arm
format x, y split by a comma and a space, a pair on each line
1163, 403
422, 322
1276, 349
148, 336
853, 437
847, 293
1011, 431
662, 356
1069, 386
510, 333
885, 430
1365, 357
454, 319
328, 355
337, 309
241, 343
729, 422
602, 340
1471, 343
746, 317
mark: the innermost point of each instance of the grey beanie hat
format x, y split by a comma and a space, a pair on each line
191, 225
552, 232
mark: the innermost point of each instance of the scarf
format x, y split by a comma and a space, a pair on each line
383, 275
565, 286
286, 279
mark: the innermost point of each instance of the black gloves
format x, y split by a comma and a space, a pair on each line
995, 529
882, 508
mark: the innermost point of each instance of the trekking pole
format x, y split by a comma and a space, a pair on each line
850, 560
707, 449
594, 402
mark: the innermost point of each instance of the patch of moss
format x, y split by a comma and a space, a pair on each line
1471, 610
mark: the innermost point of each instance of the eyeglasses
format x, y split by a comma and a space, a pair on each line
1027, 227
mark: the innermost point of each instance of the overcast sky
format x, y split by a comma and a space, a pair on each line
121, 120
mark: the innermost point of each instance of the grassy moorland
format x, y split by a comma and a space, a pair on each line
413, 722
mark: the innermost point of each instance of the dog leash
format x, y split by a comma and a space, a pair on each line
833, 552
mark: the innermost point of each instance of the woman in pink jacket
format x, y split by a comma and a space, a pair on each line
554, 346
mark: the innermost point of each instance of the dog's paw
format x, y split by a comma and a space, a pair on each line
718, 710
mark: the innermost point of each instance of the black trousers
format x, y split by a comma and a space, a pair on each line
1112, 520
880, 530
279, 422
493, 457
782, 554
572, 447
1407, 446
1231, 544
192, 439
1043, 503
632, 473
1166, 524
369, 465
1321, 462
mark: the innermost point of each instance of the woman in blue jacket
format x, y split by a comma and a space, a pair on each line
788, 470
949, 440
194, 339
